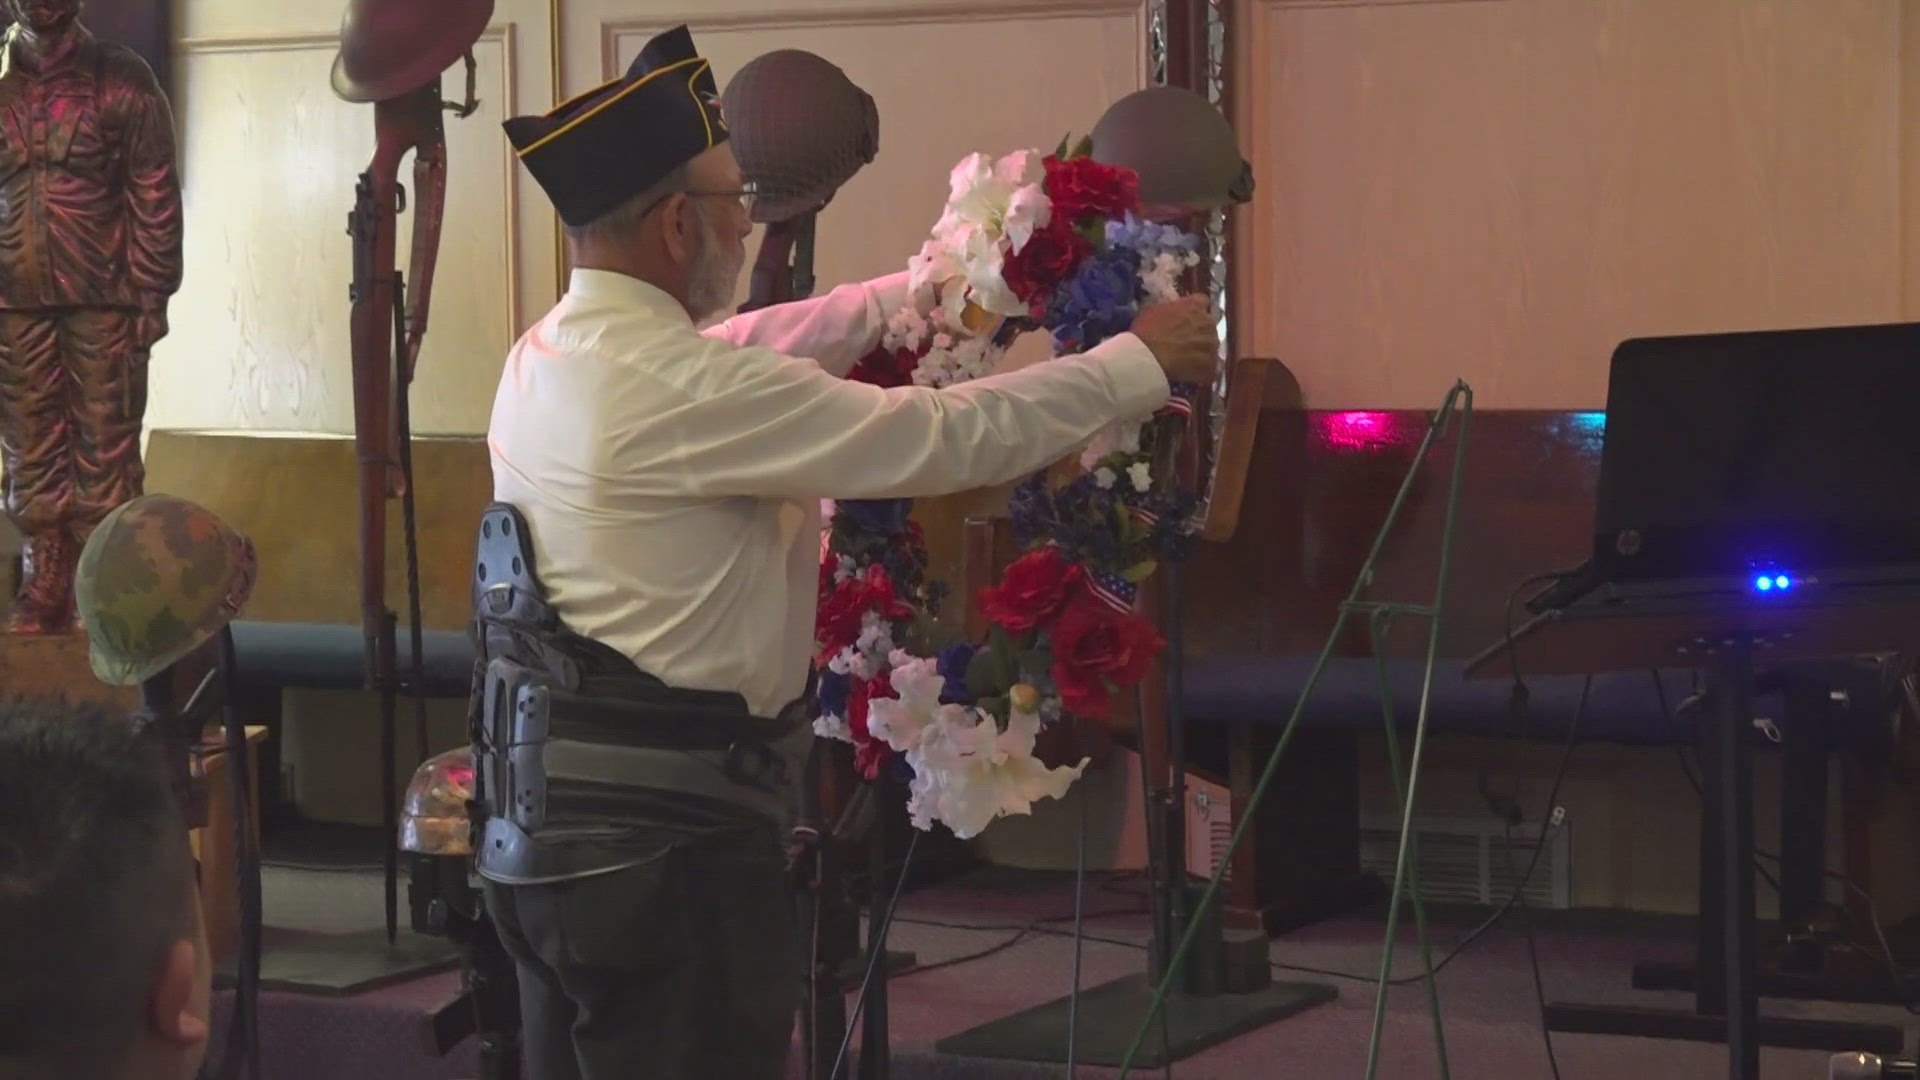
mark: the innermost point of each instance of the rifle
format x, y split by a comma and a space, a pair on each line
783, 272
386, 338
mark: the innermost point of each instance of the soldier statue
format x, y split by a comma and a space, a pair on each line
89, 255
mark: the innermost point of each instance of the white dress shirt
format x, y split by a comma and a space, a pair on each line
672, 478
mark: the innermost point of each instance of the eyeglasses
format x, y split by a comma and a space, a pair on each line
747, 193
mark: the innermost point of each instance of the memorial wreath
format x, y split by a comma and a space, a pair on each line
1028, 242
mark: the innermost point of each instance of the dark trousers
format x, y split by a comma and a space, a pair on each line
685, 967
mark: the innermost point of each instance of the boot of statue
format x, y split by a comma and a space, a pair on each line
45, 602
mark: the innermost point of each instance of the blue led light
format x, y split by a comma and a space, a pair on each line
1763, 583
1782, 581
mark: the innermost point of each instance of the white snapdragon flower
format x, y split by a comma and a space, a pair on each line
859, 666
1103, 478
1119, 437
906, 329
1160, 277
1140, 476
876, 636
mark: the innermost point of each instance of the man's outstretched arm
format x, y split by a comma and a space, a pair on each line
835, 330
767, 425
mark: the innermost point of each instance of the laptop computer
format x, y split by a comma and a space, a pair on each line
1760, 463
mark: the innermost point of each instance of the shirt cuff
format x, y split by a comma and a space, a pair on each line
890, 293
1139, 384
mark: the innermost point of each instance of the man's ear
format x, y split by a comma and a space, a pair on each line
172, 1006
679, 229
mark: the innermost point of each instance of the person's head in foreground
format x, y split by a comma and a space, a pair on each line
104, 967
643, 177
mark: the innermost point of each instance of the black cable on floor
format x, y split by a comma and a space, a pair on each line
1548, 827
1539, 983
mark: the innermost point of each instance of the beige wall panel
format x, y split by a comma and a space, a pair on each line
260, 326
208, 18
1043, 68
1503, 190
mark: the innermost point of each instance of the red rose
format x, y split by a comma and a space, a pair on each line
1081, 188
869, 753
836, 623
1050, 257
1031, 590
885, 368
1094, 646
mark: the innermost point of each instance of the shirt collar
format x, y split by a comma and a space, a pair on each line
623, 290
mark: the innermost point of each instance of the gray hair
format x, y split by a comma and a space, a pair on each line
623, 221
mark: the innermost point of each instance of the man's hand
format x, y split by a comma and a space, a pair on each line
1184, 337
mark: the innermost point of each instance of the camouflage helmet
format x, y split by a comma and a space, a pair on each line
158, 578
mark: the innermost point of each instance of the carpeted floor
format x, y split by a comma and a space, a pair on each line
1492, 1025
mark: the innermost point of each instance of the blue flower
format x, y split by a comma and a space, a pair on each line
832, 691
952, 665
1098, 302
1031, 508
1150, 239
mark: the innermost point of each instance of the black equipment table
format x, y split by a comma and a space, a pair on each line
1729, 635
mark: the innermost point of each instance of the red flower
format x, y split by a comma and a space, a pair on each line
836, 622
1095, 647
1050, 257
869, 753
885, 368
1032, 589
1081, 188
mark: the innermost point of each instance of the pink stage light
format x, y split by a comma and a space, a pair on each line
1362, 429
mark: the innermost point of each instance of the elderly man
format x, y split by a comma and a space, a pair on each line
104, 967
671, 481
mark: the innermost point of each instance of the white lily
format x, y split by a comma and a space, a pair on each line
967, 772
993, 208
899, 720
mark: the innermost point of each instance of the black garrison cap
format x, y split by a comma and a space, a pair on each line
613, 142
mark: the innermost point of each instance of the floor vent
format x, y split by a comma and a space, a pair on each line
1467, 858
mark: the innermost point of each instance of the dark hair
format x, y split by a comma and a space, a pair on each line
96, 885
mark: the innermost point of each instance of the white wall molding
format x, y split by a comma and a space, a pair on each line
614, 31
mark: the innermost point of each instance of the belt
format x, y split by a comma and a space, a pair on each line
620, 724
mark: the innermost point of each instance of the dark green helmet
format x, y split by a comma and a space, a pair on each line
158, 578
1181, 146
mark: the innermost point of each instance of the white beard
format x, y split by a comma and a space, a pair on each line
713, 275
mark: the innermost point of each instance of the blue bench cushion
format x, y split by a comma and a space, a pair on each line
1622, 707
333, 657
